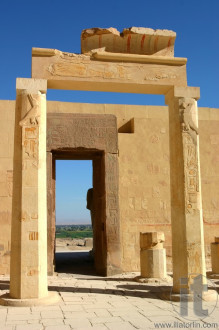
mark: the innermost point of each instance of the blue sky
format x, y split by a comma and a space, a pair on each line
58, 24
73, 179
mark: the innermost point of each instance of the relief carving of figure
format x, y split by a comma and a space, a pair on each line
32, 116
187, 108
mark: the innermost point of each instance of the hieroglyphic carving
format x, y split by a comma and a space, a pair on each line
84, 130
111, 173
30, 131
32, 272
33, 115
191, 173
188, 112
153, 168
112, 204
151, 220
30, 147
33, 236
155, 192
26, 216
10, 182
154, 138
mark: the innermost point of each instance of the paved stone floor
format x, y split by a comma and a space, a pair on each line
116, 302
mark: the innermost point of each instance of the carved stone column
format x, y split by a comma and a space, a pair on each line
186, 199
29, 215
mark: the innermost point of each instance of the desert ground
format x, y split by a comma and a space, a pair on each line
73, 244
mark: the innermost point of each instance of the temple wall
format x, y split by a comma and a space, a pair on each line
143, 170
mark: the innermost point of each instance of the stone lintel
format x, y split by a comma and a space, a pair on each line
75, 136
31, 84
82, 72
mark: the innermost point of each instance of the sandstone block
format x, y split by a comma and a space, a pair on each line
32, 85
152, 255
153, 263
3, 189
134, 40
151, 240
89, 242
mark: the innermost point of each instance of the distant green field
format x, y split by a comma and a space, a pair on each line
74, 234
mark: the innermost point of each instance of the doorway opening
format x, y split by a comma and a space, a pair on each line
77, 256
74, 230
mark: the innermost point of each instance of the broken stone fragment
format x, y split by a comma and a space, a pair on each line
134, 40
99, 31
151, 240
152, 255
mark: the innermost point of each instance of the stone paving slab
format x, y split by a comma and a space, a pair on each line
104, 304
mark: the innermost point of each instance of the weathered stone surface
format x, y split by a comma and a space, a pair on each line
152, 255
135, 40
151, 240
153, 263
88, 242
97, 132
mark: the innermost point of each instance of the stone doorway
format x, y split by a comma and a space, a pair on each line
88, 137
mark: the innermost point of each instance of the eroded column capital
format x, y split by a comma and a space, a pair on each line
31, 85
182, 92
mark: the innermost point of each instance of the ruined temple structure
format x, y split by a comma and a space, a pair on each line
155, 168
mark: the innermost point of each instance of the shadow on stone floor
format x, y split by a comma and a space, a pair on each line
109, 279
145, 287
4, 285
113, 291
75, 263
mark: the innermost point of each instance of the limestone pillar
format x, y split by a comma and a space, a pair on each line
186, 198
152, 255
29, 215
215, 256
